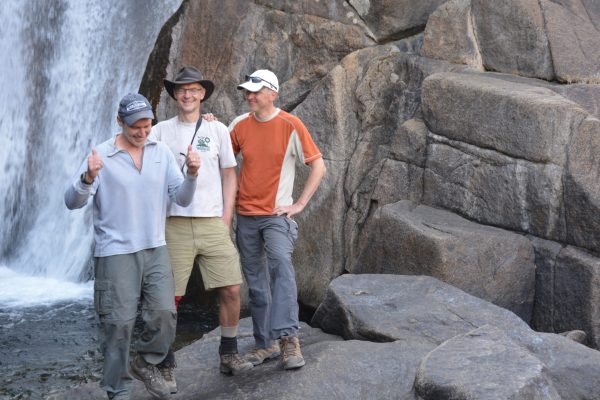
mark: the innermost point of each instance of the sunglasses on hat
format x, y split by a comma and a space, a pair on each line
256, 79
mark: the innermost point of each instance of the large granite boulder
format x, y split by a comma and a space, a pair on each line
494, 189
567, 290
394, 19
573, 31
385, 307
512, 38
492, 366
319, 251
487, 262
582, 186
300, 41
502, 113
548, 39
499, 356
481, 165
360, 122
449, 35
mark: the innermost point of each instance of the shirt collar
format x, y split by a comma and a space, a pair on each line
114, 149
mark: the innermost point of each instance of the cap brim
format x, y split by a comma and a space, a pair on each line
251, 86
209, 86
133, 118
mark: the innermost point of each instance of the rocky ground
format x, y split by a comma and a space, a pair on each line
397, 337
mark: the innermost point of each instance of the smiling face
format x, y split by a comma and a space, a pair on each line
261, 102
189, 96
136, 134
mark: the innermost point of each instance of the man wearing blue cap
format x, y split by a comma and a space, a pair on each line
131, 179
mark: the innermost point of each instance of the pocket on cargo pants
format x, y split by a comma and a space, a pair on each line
292, 229
102, 297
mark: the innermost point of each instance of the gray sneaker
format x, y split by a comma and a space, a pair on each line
291, 356
153, 380
168, 374
257, 355
234, 364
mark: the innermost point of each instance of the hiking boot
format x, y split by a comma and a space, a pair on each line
258, 356
168, 374
290, 352
153, 380
234, 364
119, 396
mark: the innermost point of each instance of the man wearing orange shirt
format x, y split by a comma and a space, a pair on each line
270, 141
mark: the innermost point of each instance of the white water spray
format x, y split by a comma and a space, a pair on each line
64, 65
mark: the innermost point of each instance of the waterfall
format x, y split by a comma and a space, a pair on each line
64, 65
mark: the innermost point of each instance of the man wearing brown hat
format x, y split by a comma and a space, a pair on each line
203, 228
130, 256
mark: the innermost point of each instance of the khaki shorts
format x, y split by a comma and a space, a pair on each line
208, 238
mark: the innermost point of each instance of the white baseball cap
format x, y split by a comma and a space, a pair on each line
258, 80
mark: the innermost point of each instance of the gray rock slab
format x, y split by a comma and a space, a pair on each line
546, 252
334, 369
572, 367
383, 307
389, 19
449, 35
491, 263
358, 116
409, 143
483, 364
567, 290
582, 186
572, 28
577, 293
494, 189
515, 119
512, 37
302, 42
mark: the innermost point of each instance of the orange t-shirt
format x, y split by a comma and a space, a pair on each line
270, 149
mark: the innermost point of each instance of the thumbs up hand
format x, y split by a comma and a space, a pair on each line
192, 161
94, 165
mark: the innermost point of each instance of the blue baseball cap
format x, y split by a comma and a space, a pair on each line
133, 107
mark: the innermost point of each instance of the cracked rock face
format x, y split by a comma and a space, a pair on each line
475, 116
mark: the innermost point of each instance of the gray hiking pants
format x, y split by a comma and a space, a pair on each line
272, 281
122, 281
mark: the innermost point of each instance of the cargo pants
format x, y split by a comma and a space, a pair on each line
271, 279
121, 282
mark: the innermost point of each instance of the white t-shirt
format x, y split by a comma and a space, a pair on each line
213, 144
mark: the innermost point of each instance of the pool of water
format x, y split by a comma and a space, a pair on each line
49, 335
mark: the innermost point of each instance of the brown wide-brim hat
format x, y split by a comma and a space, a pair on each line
189, 75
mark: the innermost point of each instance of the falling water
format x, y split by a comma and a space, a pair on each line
64, 65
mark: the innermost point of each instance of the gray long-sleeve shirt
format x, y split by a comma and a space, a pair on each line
130, 205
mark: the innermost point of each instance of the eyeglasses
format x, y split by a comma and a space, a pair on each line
193, 92
256, 79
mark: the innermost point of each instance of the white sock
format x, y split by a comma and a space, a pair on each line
229, 331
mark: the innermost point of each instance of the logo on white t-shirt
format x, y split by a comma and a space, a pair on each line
202, 144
